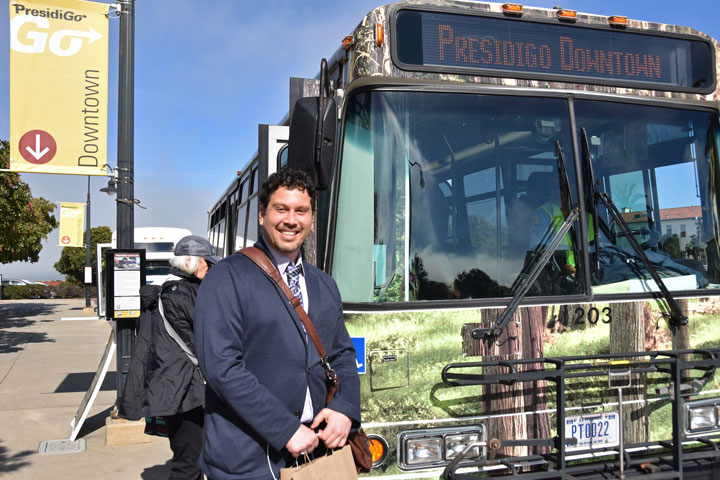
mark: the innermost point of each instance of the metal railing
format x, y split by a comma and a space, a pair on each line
678, 376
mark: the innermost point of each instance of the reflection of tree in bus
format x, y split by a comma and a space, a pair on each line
477, 284
483, 234
427, 289
474, 283
626, 195
671, 246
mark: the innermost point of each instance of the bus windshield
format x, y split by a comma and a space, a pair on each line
451, 195
660, 167
157, 268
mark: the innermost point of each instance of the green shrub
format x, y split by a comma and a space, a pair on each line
68, 290
15, 292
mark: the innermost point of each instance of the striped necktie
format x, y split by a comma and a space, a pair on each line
293, 276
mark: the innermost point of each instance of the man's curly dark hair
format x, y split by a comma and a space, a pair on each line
290, 178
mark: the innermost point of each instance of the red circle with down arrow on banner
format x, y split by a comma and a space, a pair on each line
37, 146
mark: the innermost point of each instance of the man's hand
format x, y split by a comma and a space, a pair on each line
303, 440
336, 430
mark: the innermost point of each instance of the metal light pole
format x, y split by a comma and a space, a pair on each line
125, 332
88, 254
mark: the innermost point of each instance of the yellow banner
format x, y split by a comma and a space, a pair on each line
72, 216
58, 86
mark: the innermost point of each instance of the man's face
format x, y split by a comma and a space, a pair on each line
287, 221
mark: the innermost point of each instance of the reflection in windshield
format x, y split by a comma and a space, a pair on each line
656, 164
451, 196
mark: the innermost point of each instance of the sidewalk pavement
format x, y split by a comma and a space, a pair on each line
46, 366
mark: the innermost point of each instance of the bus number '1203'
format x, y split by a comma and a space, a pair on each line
593, 316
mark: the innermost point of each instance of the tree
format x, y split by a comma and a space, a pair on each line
627, 334
671, 246
24, 221
72, 259
523, 335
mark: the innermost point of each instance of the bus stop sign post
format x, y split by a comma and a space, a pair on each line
88, 257
125, 211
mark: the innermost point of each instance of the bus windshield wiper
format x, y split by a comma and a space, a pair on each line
590, 189
676, 316
572, 215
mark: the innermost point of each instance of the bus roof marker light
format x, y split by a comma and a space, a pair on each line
379, 34
348, 42
567, 15
618, 21
512, 9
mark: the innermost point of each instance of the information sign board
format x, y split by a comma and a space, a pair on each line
125, 275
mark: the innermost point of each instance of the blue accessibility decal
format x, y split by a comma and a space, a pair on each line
359, 344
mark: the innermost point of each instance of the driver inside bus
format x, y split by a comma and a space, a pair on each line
543, 193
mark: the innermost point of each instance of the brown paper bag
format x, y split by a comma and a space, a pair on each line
336, 465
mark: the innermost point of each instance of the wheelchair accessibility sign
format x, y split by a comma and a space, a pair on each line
359, 344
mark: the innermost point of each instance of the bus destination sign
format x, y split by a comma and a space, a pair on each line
498, 46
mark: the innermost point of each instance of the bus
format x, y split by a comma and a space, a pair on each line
159, 244
519, 206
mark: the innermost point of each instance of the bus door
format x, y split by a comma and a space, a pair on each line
272, 149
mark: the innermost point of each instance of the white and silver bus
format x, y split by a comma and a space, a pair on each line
159, 244
520, 207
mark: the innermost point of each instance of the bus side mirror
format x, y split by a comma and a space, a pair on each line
311, 145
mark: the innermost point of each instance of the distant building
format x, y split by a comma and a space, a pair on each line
682, 222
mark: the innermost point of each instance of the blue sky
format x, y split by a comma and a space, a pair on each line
207, 73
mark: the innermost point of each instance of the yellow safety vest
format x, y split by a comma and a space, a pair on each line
557, 218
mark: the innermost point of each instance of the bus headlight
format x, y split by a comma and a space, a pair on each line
424, 451
701, 416
435, 447
455, 444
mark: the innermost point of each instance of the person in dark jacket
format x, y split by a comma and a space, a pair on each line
266, 386
164, 379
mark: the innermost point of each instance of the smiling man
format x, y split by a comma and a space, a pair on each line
265, 395
287, 219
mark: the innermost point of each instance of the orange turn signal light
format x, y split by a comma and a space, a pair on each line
570, 15
618, 21
378, 449
379, 34
348, 42
512, 8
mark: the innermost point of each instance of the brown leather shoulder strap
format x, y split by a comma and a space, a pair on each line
261, 260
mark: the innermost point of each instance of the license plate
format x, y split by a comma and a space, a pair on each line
592, 431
